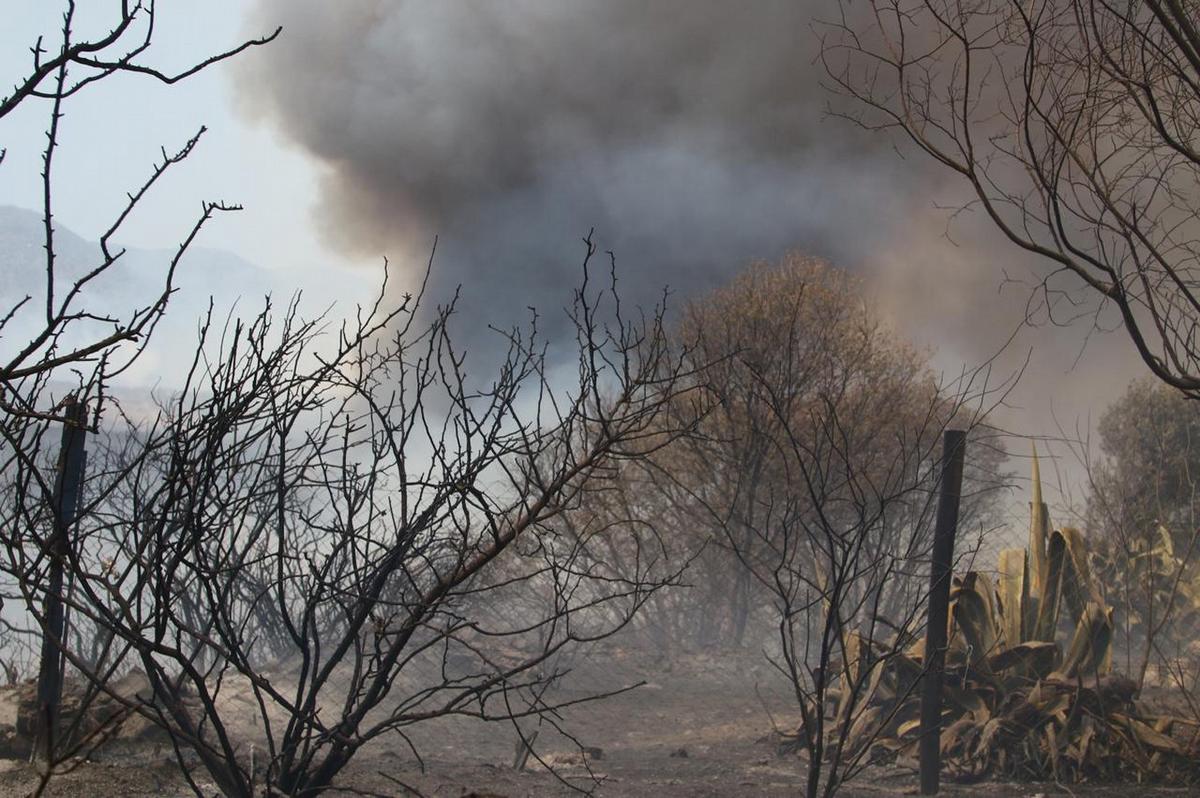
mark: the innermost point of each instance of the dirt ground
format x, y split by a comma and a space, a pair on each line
700, 727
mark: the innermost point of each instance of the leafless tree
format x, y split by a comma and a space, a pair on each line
1074, 123
773, 345
845, 555
61, 347
343, 505
816, 473
72, 338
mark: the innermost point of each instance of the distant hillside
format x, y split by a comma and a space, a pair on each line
202, 273
134, 281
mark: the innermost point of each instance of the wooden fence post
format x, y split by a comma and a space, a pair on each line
953, 447
67, 484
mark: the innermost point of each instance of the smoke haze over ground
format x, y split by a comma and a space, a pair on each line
691, 134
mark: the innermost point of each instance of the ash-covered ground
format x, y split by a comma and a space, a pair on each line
700, 725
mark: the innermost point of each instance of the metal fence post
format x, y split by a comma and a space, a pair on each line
65, 501
953, 447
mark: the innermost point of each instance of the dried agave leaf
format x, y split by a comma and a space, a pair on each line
851, 668
974, 615
1035, 656
860, 691
852, 658
1088, 652
890, 744
987, 591
1078, 587
1039, 528
864, 729
874, 675
1086, 734
1014, 593
1048, 701
1047, 617
967, 701
899, 677
991, 730
1165, 547
1147, 736
957, 735
1052, 749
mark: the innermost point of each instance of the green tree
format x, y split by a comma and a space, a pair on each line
1148, 476
1142, 513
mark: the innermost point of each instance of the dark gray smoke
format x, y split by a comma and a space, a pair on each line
690, 133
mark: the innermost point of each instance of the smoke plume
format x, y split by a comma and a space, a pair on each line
690, 134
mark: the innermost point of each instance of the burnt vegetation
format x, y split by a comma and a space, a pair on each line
336, 531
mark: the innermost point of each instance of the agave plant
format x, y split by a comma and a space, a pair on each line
1029, 688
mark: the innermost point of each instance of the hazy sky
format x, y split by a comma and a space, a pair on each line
690, 133
113, 133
